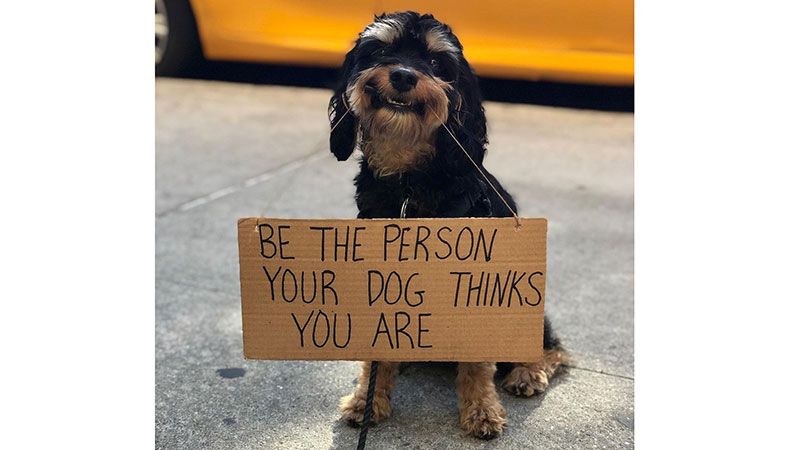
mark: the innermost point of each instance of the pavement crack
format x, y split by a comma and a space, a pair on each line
284, 169
600, 372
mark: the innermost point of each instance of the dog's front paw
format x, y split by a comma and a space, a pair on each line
525, 381
484, 420
353, 406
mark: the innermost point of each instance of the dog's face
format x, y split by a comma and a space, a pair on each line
405, 76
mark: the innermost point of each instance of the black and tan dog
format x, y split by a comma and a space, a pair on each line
404, 79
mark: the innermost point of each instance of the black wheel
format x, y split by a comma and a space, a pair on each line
177, 41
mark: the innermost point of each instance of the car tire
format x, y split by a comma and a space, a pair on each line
177, 40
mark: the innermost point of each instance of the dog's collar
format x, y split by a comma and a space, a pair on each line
404, 207
406, 196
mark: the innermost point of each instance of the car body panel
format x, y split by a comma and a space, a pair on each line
558, 40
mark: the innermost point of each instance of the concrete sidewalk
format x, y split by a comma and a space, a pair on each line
226, 151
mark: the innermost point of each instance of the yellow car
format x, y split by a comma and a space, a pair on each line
580, 41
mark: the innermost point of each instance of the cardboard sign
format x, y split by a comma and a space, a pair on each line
393, 290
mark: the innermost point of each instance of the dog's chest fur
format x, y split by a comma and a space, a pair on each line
429, 193
391, 155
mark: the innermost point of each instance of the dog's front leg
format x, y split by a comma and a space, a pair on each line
353, 405
482, 415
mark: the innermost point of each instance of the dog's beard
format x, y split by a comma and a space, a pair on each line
397, 130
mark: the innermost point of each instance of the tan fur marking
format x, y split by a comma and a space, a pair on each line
352, 406
437, 42
526, 379
385, 30
395, 142
481, 413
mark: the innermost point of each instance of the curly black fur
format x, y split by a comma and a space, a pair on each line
448, 185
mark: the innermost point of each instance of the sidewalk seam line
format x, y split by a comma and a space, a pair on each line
600, 372
202, 288
288, 167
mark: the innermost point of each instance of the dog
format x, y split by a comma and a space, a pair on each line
405, 87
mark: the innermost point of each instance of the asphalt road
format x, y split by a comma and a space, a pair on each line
230, 150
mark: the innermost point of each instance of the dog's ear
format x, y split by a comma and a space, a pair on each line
467, 121
343, 123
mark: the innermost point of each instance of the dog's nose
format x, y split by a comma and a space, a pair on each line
402, 79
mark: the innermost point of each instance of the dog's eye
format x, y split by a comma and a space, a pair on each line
435, 63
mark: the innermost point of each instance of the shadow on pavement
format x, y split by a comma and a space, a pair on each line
580, 96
